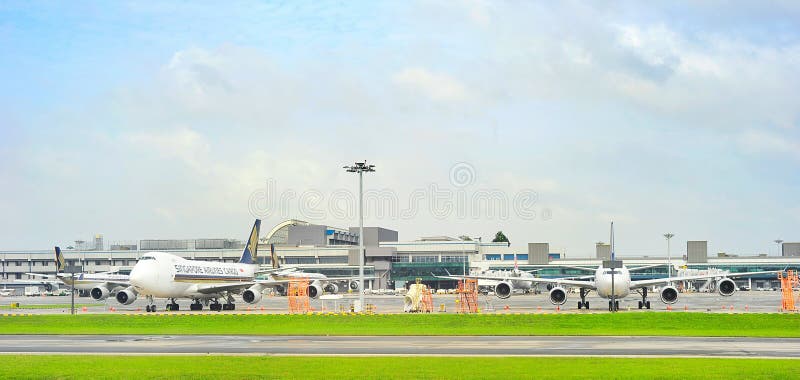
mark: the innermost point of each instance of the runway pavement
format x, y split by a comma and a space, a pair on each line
761, 302
406, 345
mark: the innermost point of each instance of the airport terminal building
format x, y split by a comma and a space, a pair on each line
390, 262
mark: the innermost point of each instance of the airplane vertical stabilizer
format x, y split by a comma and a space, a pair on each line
60, 263
613, 255
274, 257
250, 251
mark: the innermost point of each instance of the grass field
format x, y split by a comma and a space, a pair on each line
657, 324
237, 367
50, 306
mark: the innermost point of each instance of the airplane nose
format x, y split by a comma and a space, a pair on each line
137, 275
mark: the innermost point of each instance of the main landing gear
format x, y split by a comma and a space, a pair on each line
644, 303
230, 305
583, 303
215, 305
173, 306
196, 306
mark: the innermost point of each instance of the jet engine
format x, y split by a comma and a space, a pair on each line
126, 296
252, 294
332, 288
558, 296
314, 290
353, 285
726, 287
100, 293
669, 295
503, 290
48, 287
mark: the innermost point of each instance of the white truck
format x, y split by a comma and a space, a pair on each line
32, 291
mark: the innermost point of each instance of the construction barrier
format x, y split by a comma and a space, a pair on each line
789, 282
468, 291
298, 295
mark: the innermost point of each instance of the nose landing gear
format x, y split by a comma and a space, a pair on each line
644, 303
583, 303
151, 307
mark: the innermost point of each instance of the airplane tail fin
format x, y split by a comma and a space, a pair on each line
250, 251
60, 263
274, 257
613, 255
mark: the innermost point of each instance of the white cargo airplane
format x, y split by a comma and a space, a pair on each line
618, 279
100, 285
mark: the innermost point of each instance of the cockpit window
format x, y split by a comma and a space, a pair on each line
147, 258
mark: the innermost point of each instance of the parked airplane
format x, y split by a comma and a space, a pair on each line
164, 275
619, 279
100, 285
318, 282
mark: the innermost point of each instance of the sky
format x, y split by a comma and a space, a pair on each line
546, 120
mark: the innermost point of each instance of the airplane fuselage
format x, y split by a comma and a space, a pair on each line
622, 282
164, 275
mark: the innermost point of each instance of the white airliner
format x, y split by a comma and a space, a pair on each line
100, 285
622, 284
164, 275
318, 282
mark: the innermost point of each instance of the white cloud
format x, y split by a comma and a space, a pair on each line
183, 143
771, 144
436, 86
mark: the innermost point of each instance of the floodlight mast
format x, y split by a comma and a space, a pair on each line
669, 236
360, 168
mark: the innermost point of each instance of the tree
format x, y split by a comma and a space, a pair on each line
500, 237
465, 238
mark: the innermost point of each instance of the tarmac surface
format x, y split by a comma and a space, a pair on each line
743, 301
405, 345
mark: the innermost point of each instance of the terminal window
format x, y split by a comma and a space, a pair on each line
491, 257
424, 259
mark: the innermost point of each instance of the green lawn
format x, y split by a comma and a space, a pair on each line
50, 306
663, 324
237, 367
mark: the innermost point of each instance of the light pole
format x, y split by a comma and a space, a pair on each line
669, 236
360, 168
778, 242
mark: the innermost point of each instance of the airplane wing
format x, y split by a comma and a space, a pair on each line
45, 276
276, 270
645, 267
663, 281
115, 284
208, 289
575, 267
329, 279
532, 280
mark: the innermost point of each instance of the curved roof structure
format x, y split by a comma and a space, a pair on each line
280, 233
